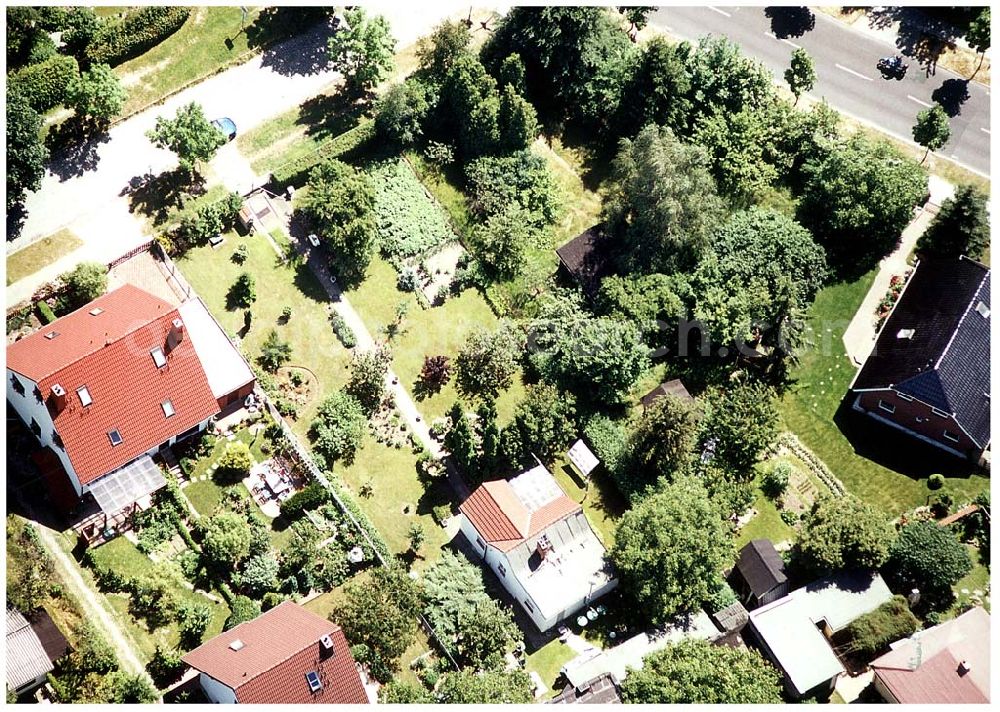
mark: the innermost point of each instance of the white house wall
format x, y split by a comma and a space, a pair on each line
28, 408
216, 691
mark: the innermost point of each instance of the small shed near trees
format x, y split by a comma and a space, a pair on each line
759, 575
667, 388
587, 258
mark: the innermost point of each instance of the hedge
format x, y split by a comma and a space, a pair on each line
43, 85
311, 496
343, 331
296, 172
872, 632
140, 31
45, 312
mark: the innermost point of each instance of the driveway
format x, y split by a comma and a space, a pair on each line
84, 199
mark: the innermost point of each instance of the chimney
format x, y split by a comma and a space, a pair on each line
58, 397
176, 334
543, 547
326, 646
964, 668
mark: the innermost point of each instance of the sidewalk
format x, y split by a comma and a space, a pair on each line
859, 337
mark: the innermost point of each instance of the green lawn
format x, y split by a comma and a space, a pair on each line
766, 525
40, 254
976, 580
197, 50
602, 503
314, 346
395, 486
427, 332
121, 555
810, 407
547, 661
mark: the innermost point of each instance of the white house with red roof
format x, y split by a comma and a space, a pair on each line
108, 385
539, 543
287, 655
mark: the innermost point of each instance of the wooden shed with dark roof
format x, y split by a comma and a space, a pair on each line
674, 388
587, 258
759, 575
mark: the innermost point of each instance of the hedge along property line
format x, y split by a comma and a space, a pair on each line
138, 32
791, 442
295, 172
43, 85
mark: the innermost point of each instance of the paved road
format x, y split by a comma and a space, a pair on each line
846, 74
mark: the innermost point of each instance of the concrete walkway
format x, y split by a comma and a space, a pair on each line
859, 337
850, 688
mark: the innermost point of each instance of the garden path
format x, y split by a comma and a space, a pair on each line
859, 337
91, 602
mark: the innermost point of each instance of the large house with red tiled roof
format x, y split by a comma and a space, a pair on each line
287, 655
539, 543
108, 385
944, 665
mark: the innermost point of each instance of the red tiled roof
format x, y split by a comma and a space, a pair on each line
927, 671
80, 333
502, 519
279, 648
124, 383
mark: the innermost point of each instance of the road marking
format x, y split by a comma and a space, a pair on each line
851, 71
919, 101
985, 131
782, 39
721, 12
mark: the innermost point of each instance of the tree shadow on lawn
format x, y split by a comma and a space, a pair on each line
155, 196
328, 115
73, 145
290, 50
894, 449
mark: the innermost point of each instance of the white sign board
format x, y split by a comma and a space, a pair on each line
581, 456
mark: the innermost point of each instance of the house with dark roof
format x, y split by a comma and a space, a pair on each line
944, 665
587, 258
602, 690
929, 374
759, 575
34, 643
105, 387
286, 655
539, 543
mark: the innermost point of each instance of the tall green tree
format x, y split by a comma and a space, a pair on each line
226, 540
801, 74
660, 445
668, 549
929, 558
341, 204
85, 283
501, 242
723, 79
367, 382
543, 424
400, 113
439, 50
460, 440
844, 533
978, 35
26, 154
961, 226
517, 122
836, 204
363, 50
739, 147
339, 427
662, 202
97, 94
932, 129
742, 420
656, 90
381, 614
696, 671
488, 361
189, 134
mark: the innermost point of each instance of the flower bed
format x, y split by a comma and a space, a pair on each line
896, 285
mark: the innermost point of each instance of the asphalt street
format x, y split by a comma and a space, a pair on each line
847, 77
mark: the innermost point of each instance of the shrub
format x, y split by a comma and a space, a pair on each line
930, 558
295, 172
243, 293
165, 667
498, 183
788, 517
312, 496
440, 154
275, 352
408, 280
271, 599
85, 283
235, 462
44, 85
720, 595
775, 480
139, 31
286, 313
343, 332
935, 482
941, 506
241, 254
45, 312
338, 428
243, 609
441, 513
207, 220
872, 632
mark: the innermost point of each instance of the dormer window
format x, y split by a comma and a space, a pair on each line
906, 333
158, 357
115, 437
84, 394
983, 310
168, 408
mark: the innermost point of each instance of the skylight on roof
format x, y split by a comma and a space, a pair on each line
236, 645
51, 335
984, 311
84, 394
95, 311
158, 358
168, 408
115, 437
314, 682
906, 333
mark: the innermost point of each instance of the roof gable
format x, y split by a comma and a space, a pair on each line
761, 566
278, 649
